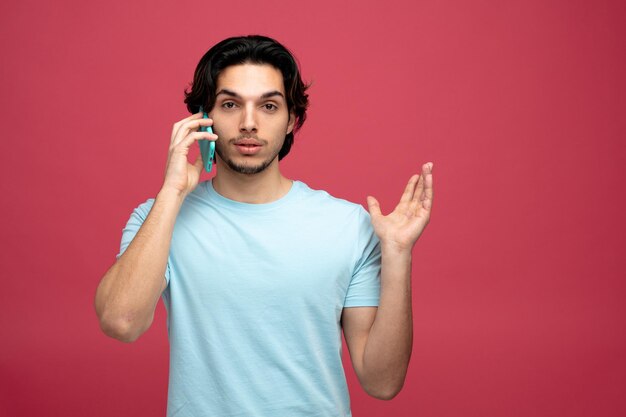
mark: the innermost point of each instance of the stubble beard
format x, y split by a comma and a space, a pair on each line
244, 168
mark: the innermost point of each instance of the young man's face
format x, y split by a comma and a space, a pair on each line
250, 117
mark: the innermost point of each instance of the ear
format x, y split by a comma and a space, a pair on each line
292, 122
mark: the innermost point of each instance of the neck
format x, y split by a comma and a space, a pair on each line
264, 187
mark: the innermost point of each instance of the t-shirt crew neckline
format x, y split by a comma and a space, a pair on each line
232, 204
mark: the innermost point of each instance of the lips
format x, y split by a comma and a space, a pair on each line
248, 142
248, 146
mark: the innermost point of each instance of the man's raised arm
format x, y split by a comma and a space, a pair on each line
380, 339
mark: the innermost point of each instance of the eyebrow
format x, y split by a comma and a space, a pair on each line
263, 96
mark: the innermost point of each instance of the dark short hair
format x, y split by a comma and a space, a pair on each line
253, 49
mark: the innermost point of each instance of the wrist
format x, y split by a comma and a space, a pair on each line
395, 250
170, 195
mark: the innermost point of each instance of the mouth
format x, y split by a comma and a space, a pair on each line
248, 146
248, 142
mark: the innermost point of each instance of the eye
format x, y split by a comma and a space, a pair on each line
228, 105
270, 106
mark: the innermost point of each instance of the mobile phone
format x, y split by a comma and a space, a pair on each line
207, 147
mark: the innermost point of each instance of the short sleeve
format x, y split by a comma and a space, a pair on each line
135, 221
364, 288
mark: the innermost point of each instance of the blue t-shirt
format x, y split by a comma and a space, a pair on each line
254, 300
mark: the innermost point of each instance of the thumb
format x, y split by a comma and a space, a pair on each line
198, 164
373, 206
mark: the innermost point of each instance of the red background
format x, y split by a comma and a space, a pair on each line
519, 280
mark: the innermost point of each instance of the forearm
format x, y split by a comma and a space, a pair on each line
388, 348
128, 293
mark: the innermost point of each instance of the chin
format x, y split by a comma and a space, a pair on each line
245, 165
247, 168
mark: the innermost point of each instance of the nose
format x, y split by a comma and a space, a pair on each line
248, 119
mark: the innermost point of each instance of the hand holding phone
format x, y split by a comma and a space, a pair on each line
207, 147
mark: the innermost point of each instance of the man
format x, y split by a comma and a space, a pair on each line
259, 273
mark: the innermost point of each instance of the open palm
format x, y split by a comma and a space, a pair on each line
403, 226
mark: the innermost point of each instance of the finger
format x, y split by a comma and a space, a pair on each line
428, 187
178, 124
198, 164
415, 203
420, 191
409, 190
190, 126
193, 137
197, 134
419, 188
373, 207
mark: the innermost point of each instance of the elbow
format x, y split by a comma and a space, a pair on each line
120, 328
385, 393
384, 387
120, 324
119, 332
